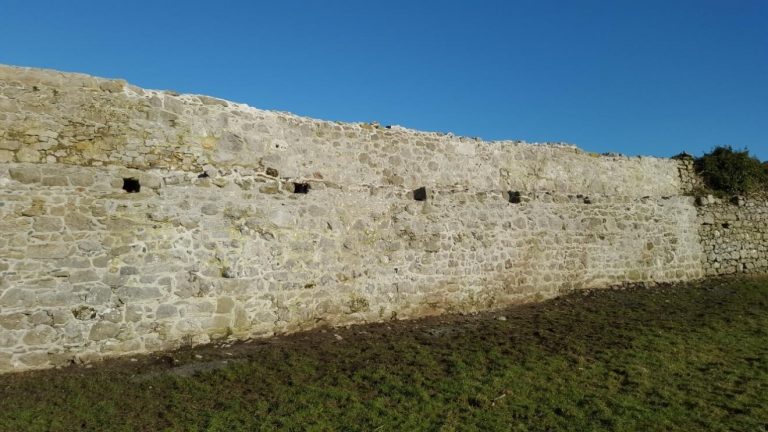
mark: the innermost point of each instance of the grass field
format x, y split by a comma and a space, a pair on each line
688, 358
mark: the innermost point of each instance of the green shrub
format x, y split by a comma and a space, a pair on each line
729, 171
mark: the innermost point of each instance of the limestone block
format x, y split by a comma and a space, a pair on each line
165, 311
47, 224
80, 179
132, 293
78, 221
7, 144
103, 330
8, 339
26, 154
134, 313
25, 174
209, 209
14, 321
224, 305
6, 156
55, 181
48, 251
40, 335
42, 317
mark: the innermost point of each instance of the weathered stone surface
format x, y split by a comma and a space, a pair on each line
48, 250
104, 330
165, 311
40, 335
734, 235
26, 154
48, 224
25, 174
14, 321
80, 179
6, 156
224, 305
224, 239
139, 293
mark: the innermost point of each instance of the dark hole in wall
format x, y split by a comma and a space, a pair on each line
131, 185
420, 194
514, 197
203, 175
726, 225
301, 188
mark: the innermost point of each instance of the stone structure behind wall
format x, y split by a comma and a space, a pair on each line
134, 220
734, 234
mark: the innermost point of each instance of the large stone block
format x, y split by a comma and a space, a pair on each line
48, 250
25, 174
131, 293
104, 330
40, 335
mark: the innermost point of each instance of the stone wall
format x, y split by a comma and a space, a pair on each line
134, 220
734, 234
52, 117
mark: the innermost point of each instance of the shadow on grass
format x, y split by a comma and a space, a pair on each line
686, 357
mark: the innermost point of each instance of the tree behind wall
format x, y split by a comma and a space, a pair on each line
729, 171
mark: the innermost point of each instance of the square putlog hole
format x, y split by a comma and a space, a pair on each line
514, 197
301, 188
131, 185
420, 194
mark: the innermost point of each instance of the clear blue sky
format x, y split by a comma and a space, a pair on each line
633, 76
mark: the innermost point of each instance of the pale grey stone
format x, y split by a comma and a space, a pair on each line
7, 340
89, 246
104, 330
112, 315
80, 276
8, 144
49, 250
209, 209
26, 154
80, 179
224, 305
55, 181
6, 155
78, 222
41, 317
133, 313
128, 270
25, 174
139, 293
165, 311
14, 321
40, 335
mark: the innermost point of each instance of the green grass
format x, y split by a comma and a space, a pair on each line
687, 358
